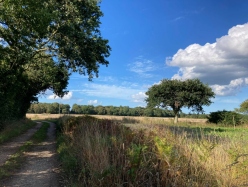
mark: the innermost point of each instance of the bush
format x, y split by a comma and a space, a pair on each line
225, 117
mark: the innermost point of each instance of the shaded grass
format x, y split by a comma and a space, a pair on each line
15, 128
15, 161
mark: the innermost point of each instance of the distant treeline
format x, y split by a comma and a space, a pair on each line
56, 108
50, 108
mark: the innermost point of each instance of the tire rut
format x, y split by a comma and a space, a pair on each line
9, 148
41, 167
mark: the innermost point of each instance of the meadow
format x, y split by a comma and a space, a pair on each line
141, 151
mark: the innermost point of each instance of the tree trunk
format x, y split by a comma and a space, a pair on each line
176, 118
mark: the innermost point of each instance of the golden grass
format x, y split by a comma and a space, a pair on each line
186, 154
220, 151
197, 153
137, 118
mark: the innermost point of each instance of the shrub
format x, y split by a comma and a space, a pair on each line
225, 117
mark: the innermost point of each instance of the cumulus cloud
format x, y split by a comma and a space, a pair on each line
231, 89
223, 64
139, 97
142, 67
66, 97
92, 102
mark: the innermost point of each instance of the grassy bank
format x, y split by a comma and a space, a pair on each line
101, 152
13, 129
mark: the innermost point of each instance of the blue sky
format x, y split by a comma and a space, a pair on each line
172, 39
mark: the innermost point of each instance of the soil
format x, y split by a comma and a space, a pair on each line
41, 167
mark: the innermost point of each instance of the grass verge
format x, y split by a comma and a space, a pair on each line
15, 161
219, 150
98, 152
15, 128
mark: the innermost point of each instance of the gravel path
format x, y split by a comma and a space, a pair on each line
41, 168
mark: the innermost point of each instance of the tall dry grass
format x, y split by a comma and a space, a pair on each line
106, 153
220, 151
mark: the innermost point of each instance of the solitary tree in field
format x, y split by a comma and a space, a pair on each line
191, 93
41, 43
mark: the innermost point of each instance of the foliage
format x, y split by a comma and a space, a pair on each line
50, 108
177, 94
53, 108
225, 117
243, 108
41, 44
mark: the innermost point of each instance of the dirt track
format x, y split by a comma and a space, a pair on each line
40, 168
9, 148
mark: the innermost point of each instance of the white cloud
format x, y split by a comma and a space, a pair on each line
66, 97
142, 67
139, 97
106, 79
223, 64
111, 91
231, 89
92, 102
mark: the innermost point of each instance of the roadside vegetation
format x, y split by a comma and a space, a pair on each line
11, 129
18, 158
102, 152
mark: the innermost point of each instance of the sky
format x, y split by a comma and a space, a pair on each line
167, 39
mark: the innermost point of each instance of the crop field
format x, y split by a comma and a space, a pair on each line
118, 118
140, 151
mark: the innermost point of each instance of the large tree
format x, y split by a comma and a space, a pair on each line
191, 93
41, 43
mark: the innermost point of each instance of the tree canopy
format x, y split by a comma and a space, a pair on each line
191, 93
41, 44
243, 108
